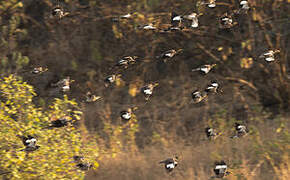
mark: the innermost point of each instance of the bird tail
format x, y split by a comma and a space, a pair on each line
196, 69
161, 162
235, 136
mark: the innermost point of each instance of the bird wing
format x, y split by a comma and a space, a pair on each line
170, 166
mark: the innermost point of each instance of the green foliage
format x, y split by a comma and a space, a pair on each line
54, 158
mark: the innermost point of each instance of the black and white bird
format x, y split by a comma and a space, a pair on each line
212, 87
269, 56
58, 12
175, 19
126, 16
211, 134
193, 17
126, 115
147, 90
220, 169
111, 79
244, 6
226, 21
29, 142
198, 96
211, 3
64, 84
122, 17
169, 54
38, 70
170, 163
149, 26
205, 68
241, 130
126, 61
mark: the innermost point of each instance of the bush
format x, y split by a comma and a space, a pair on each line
54, 158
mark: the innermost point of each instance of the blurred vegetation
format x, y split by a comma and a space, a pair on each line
87, 43
54, 158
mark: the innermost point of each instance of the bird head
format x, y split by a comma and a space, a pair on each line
228, 173
155, 84
132, 109
179, 50
213, 65
175, 157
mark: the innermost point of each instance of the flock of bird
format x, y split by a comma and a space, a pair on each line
198, 96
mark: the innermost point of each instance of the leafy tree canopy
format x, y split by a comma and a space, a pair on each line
20, 116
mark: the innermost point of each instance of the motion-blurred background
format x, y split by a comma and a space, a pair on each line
87, 43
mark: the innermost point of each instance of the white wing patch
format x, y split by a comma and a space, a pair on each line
177, 18
221, 167
205, 70
147, 91
126, 115
269, 59
170, 166
169, 54
194, 23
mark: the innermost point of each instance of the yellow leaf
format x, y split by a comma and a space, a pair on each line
96, 164
279, 130
224, 57
249, 47
133, 90
246, 63
243, 45
119, 82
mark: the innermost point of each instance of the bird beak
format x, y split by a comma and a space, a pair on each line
179, 50
134, 108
